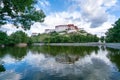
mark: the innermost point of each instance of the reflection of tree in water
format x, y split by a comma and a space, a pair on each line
103, 48
2, 68
16, 52
55, 50
114, 56
65, 54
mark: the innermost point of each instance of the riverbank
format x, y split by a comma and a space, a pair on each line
110, 45
17, 45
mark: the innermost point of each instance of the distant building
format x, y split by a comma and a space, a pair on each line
60, 28
68, 27
49, 30
35, 34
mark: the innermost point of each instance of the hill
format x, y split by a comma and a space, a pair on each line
64, 37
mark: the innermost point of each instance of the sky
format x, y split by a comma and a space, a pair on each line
95, 16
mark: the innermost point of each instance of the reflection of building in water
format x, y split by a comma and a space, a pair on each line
69, 59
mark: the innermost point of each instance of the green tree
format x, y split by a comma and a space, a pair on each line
102, 38
3, 37
19, 37
70, 38
20, 13
2, 68
113, 34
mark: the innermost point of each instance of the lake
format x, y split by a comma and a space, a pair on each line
59, 63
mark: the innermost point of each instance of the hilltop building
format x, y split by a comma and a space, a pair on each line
34, 34
60, 28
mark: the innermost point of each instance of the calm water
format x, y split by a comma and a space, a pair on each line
59, 63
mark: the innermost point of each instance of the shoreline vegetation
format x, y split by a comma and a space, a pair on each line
79, 38
110, 45
64, 37
19, 38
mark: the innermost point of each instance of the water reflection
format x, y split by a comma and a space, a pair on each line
60, 63
16, 52
2, 69
114, 56
55, 50
10, 75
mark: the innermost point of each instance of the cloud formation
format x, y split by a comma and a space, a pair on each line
9, 28
43, 4
94, 11
10, 75
87, 67
91, 15
94, 16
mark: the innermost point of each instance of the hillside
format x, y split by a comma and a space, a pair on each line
64, 37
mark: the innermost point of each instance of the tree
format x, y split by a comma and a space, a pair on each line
69, 38
2, 68
3, 37
113, 34
102, 38
21, 13
19, 37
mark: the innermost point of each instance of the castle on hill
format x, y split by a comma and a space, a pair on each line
70, 28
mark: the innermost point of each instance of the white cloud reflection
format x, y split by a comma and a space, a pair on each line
10, 75
91, 67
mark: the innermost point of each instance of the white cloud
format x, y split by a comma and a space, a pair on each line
9, 28
37, 28
92, 15
8, 59
54, 65
46, 63
94, 11
109, 3
10, 75
57, 18
54, 19
73, 18
43, 4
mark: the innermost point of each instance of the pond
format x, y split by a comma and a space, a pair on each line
59, 63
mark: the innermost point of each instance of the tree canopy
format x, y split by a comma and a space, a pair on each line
19, 37
55, 37
21, 13
14, 38
3, 37
113, 34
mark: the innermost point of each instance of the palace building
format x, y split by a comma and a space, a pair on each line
60, 28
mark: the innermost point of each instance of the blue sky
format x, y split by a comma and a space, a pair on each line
95, 16
51, 6
64, 5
